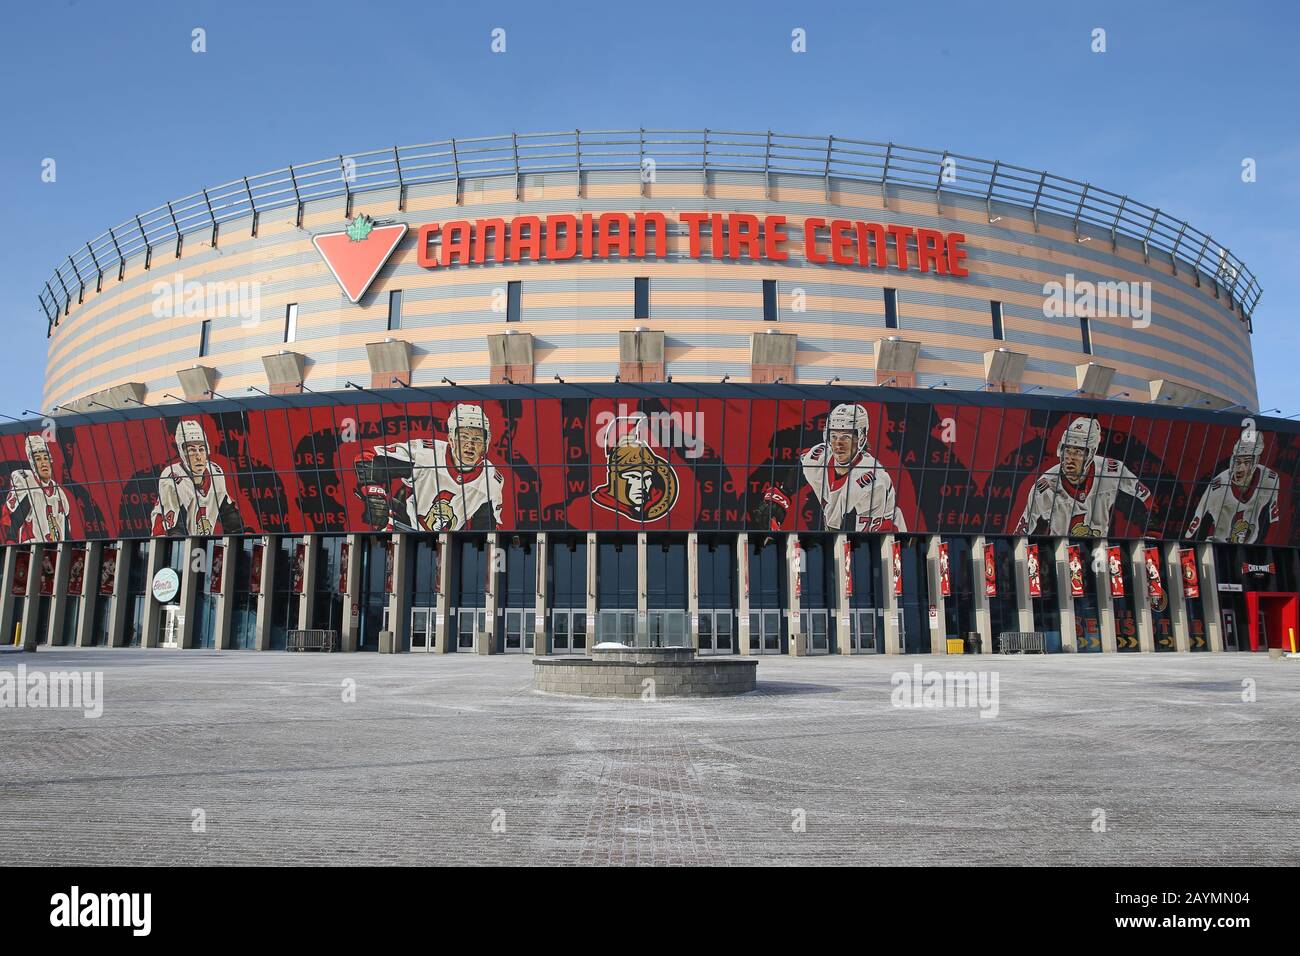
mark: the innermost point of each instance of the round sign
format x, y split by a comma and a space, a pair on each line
166, 584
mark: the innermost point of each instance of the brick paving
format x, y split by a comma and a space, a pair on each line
455, 760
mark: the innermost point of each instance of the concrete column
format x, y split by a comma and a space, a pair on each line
266, 599
89, 594
1173, 581
1141, 598
795, 562
541, 555
1024, 603
155, 561
485, 641
310, 556
7, 597
225, 612
983, 619
843, 644
189, 588
938, 626
120, 600
1209, 576
1060, 553
446, 640
693, 588
742, 594
592, 557
642, 589
31, 612
889, 602
1100, 558
399, 602
59, 600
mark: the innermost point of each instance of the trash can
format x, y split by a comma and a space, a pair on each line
972, 642
386, 642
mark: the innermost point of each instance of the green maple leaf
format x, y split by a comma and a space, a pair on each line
360, 227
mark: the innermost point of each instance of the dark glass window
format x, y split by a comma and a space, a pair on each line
891, 308
769, 300
995, 311
641, 298
205, 333
616, 573
566, 572
394, 309
514, 295
1085, 335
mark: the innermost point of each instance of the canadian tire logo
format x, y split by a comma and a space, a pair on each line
356, 254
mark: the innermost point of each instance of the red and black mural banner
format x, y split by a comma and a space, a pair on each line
342, 584
945, 571
990, 572
1191, 579
897, 569
76, 571
1155, 583
47, 571
218, 568
681, 460
1076, 571
255, 569
848, 569
299, 569
1035, 573
22, 566
108, 571
1115, 564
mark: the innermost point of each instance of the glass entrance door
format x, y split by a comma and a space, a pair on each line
617, 626
424, 628
813, 623
519, 630
765, 632
469, 620
666, 628
717, 632
568, 631
863, 632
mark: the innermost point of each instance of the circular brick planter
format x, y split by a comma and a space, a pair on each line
624, 672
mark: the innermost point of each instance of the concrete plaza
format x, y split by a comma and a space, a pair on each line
454, 759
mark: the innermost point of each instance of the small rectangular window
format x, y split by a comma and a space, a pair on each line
394, 310
291, 322
1085, 334
641, 298
995, 309
205, 333
769, 300
891, 308
514, 292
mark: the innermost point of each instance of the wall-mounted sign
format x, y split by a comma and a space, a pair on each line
898, 569
218, 568
1155, 586
47, 571
945, 571
1236, 588
166, 585
1191, 581
255, 569
1248, 568
1075, 561
108, 571
990, 572
76, 571
1035, 572
356, 254
1116, 563
22, 565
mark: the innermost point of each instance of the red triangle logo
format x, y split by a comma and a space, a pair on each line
356, 263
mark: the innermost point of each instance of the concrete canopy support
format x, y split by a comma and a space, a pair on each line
155, 560
843, 642
1141, 597
59, 599
896, 362
693, 588
284, 372
89, 594
1209, 576
197, 382
1004, 369
772, 356
1170, 393
795, 560
266, 599
445, 640
938, 632
120, 600
541, 555
1060, 553
189, 588
641, 590
593, 635
1024, 603
125, 395
510, 356
889, 600
1100, 558
222, 638
1093, 380
31, 609
1173, 582
983, 620
399, 602
485, 640
641, 356
390, 363
310, 555
742, 594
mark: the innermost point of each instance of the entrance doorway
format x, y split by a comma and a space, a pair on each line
169, 628
569, 631
469, 621
1272, 618
863, 632
813, 623
717, 632
519, 630
424, 629
765, 632
617, 626
666, 628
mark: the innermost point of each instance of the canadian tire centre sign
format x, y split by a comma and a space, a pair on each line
356, 254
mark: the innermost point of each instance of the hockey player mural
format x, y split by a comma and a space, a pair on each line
434, 485
36, 508
1240, 505
193, 493
855, 491
1078, 494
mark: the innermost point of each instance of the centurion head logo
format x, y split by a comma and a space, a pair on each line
640, 483
356, 254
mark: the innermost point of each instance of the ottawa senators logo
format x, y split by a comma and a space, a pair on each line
640, 483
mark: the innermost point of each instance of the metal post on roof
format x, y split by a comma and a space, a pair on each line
252, 209
455, 170
1078, 210
767, 167
988, 195
1173, 253
67, 296
640, 158
297, 197
121, 263
514, 143
212, 216
1146, 238
148, 246
1114, 226
401, 184
704, 164
176, 228
938, 184
884, 175
99, 273
347, 187
81, 283
1038, 197
1197, 264
49, 319
54, 301
577, 158
826, 170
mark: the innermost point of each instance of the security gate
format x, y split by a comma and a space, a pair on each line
765, 632
717, 632
519, 630
568, 631
812, 622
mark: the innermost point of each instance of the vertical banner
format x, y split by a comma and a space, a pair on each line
388, 567
1116, 561
796, 557
344, 553
22, 565
437, 567
898, 569
945, 571
218, 568
848, 569
1076, 572
990, 572
1035, 574
1155, 587
255, 570
47, 571
108, 571
76, 570
299, 569
1191, 580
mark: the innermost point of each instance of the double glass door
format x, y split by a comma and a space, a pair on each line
424, 629
469, 621
813, 623
569, 631
717, 632
765, 632
519, 629
863, 632
617, 626
666, 628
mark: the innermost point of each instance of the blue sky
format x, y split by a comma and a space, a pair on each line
113, 93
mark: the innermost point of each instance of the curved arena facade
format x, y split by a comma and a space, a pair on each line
751, 393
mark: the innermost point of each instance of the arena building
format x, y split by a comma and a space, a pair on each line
754, 393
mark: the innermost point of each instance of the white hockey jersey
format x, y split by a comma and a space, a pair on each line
46, 515
198, 503
865, 490
1082, 510
1237, 515
445, 497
